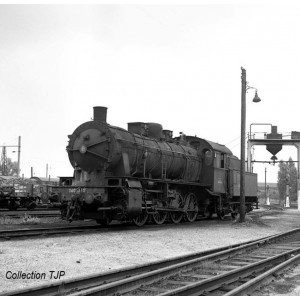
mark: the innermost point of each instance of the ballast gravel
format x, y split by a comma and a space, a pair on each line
76, 255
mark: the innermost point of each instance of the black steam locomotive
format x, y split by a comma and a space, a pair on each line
144, 174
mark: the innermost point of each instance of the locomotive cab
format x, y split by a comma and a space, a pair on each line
221, 176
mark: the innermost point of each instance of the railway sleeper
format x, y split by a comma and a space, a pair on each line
283, 247
228, 287
156, 290
199, 277
238, 263
175, 282
259, 257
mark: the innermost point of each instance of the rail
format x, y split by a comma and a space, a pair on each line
127, 279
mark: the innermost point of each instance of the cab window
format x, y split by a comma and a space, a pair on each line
208, 157
217, 163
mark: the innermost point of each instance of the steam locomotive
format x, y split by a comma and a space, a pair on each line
144, 174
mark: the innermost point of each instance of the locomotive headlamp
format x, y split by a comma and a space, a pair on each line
83, 149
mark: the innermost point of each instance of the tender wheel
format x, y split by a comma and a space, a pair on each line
159, 218
192, 208
140, 220
178, 202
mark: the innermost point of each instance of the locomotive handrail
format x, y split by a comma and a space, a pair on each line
89, 151
136, 157
154, 191
99, 142
88, 146
102, 208
97, 154
149, 147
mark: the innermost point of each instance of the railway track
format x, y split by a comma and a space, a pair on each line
35, 232
26, 233
36, 209
32, 215
224, 271
37, 212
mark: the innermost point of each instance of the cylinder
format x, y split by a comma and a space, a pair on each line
100, 113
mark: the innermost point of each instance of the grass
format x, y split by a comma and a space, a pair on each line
26, 219
30, 220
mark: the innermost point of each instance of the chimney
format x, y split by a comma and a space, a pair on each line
100, 113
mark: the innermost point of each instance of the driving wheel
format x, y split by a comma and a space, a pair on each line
192, 208
141, 219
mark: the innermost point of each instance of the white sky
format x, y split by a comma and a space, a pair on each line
178, 65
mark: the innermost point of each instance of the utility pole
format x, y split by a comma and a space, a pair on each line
256, 99
243, 132
266, 184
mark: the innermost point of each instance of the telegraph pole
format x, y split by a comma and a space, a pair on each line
19, 156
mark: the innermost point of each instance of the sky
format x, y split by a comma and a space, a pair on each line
174, 64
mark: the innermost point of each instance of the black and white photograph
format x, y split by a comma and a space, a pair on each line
150, 148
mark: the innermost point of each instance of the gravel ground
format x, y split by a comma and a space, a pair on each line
85, 254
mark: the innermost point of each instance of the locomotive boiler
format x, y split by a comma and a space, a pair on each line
144, 174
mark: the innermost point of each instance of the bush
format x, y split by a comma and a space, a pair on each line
30, 220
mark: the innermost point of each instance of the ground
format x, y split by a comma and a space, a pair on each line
119, 247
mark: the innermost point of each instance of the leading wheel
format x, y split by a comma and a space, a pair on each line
141, 219
176, 203
192, 207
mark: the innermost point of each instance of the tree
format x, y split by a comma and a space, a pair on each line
287, 174
293, 180
12, 167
